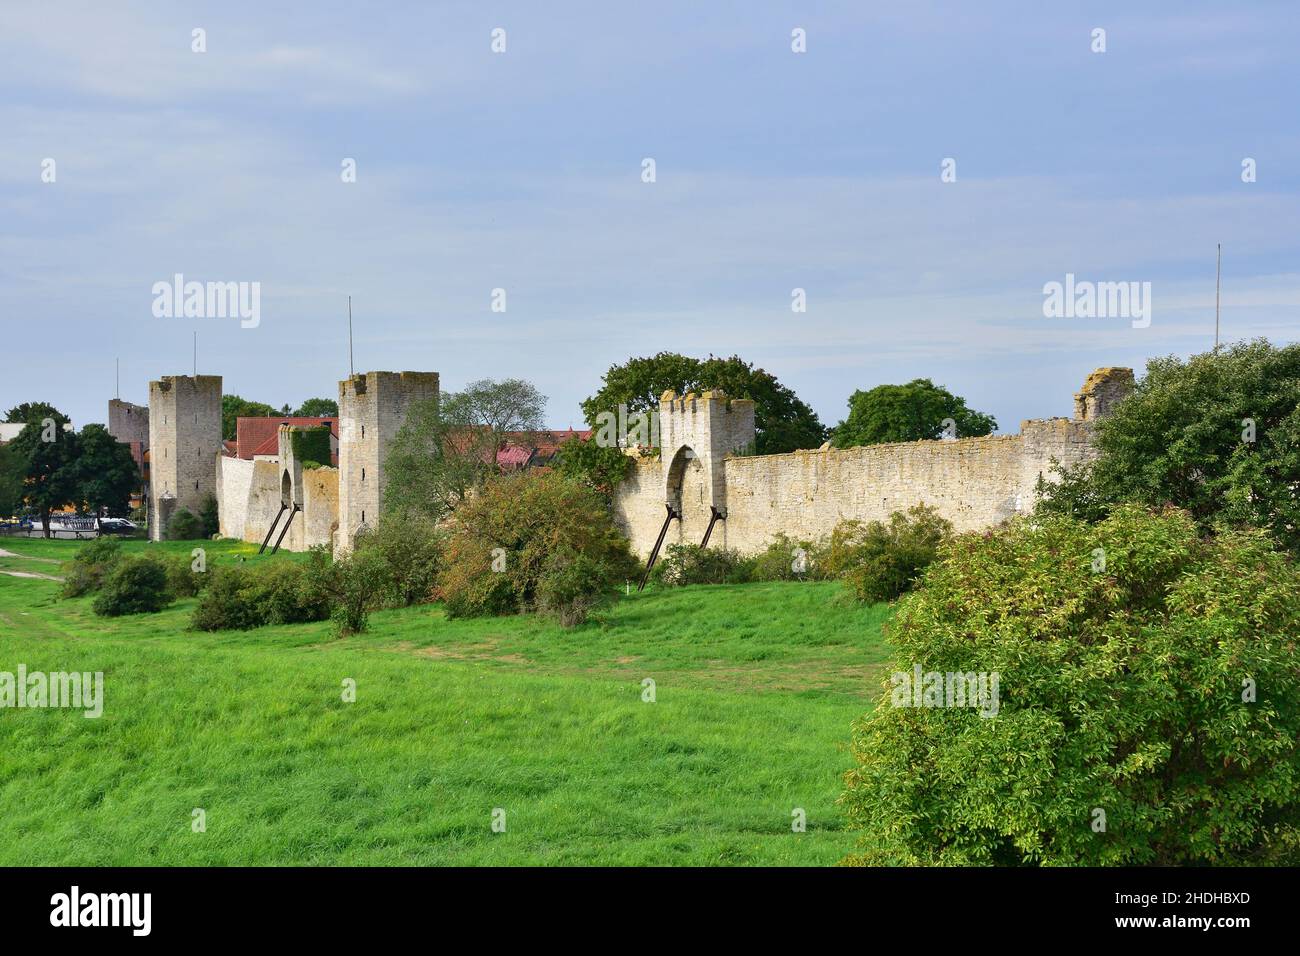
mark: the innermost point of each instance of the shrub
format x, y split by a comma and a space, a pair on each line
135, 586
279, 592
182, 580
227, 603
90, 567
684, 564
885, 560
184, 525
786, 560
209, 518
1143, 672
354, 585
283, 592
410, 547
507, 538
569, 587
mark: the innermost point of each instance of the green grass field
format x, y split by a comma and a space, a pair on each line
756, 686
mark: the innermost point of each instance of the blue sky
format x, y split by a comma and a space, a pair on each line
522, 171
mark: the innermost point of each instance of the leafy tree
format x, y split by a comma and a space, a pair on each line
106, 475
12, 469
1144, 673
32, 411
318, 408
911, 412
1217, 435
233, 408
781, 421
47, 455
448, 447
601, 467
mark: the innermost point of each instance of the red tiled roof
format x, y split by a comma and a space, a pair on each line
261, 436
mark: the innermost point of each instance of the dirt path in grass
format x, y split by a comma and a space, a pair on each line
30, 574
25, 557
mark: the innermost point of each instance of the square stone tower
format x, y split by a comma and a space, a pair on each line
372, 409
705, 429
184, 443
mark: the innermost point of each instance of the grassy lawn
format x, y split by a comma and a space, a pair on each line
756, 686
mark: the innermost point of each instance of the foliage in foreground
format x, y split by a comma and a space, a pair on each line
1217, 435
136, 585
879, 561
533, 541
1148, 709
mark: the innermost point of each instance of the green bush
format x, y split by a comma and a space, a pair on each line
882, 561
135, 586
786, 560
569, 587
311, 444
209, 518
684, 564
353, 585
278, 592
508, 538
1144, 673
227, 603
90, 567
284, 592
410, 547
182, 580
184, 525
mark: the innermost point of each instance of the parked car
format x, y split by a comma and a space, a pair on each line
117, 526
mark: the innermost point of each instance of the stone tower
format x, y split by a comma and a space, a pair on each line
1101, 390
184, 443
697, 433
372, 409
128, 423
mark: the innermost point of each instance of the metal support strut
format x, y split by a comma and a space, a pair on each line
285, 530
714, 518
271, 530
654, 555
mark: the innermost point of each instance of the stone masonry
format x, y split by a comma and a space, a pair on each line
184, 444
372, 408
973, 482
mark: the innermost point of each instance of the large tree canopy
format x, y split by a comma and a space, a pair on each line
1217, 435
32, 411
47, 456
781, 421
106, 474
448, 446
318, 408
910, 412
